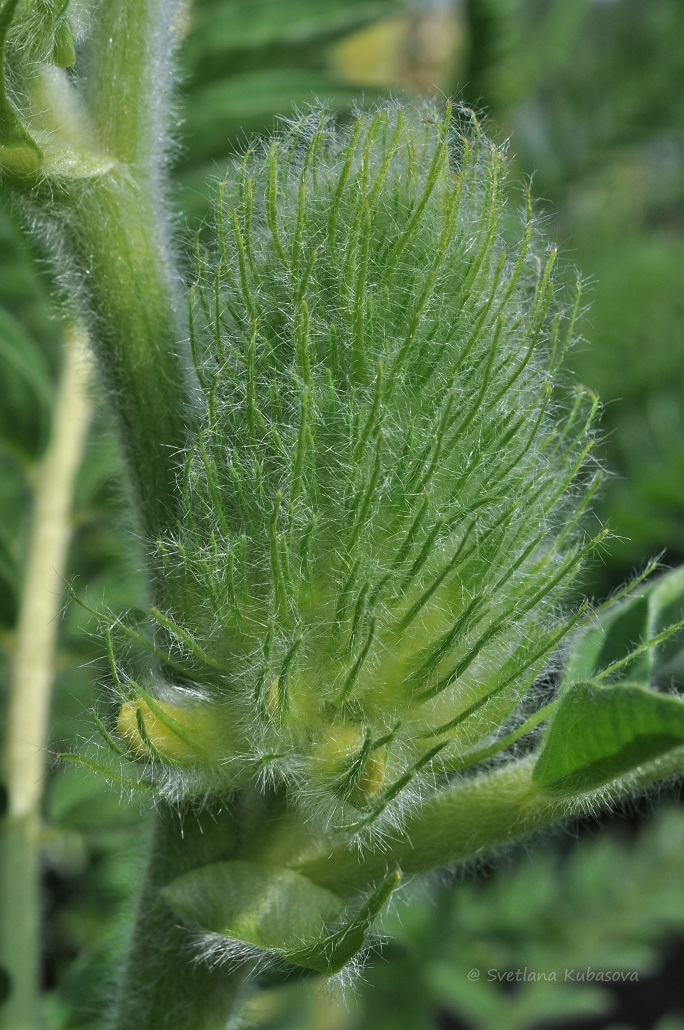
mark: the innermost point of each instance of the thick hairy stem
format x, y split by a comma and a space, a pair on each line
102, 197
129, 78
122, 242
111, 231
163, 985
467, 821
30, 687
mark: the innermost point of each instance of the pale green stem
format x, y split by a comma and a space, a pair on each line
469, 820
30, 689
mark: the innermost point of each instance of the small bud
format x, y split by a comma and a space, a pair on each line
185, 735
64, 46
345, 762
371, 781
332, 756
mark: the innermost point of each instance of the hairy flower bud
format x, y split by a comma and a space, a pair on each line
382, 497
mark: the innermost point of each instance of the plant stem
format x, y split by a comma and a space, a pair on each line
124, 279
466, 821
162, 984
30, 688
101, 195
118, 231
129, 79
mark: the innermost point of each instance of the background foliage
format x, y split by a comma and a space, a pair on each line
591, 93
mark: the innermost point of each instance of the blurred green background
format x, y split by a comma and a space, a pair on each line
592, 94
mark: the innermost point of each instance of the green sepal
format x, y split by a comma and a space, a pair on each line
106, 771
600, 733
277, 911
41, 32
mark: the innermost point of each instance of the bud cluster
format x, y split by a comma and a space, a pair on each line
383, 496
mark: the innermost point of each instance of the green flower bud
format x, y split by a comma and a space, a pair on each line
383, 495
345, 763
64, 45
185, 735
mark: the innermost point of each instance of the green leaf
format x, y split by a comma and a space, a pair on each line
630, 625
667, 606
614, 636
600, 733
256, 23
267, 907
26, 394
277, 911
248, 102
9, 583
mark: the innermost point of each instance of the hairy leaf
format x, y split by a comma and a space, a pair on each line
275, 910
269, 908
628, 626
600, 733
248, 24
